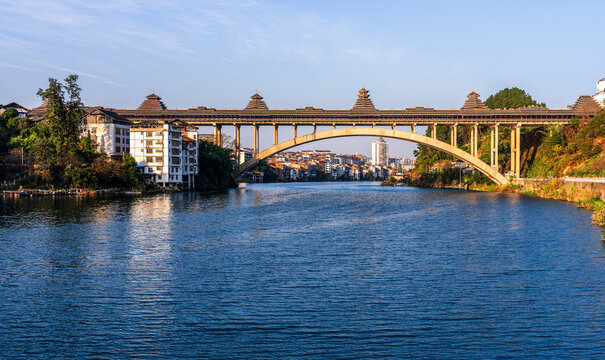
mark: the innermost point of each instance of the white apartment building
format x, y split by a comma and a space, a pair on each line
190, 156
108, 130
600, 95
159, 150
380, 152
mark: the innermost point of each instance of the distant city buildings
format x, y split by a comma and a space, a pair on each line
380, 152
309, 165
600, 95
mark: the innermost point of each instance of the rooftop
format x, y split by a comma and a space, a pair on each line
256, 103
363, 101
152, 103
473, 102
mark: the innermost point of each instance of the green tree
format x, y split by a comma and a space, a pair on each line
7, 131
512, 98
215, 167
131, 175
87, 150
83, 178
64, 113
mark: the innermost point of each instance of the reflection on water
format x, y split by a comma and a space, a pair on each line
301, 270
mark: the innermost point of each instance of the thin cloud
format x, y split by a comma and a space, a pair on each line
81, 73
15, 66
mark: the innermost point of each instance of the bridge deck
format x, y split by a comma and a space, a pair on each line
415, 116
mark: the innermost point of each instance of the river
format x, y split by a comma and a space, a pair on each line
330, 270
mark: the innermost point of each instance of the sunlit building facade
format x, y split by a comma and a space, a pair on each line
380, 152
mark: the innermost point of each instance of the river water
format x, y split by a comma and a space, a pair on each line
331, 270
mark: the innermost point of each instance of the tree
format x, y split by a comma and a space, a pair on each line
131, 175
64, 112
215, 167
7, 119
512, 98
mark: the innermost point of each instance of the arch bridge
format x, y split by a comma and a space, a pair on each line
363, 119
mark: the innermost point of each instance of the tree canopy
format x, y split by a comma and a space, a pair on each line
215, 167
64, 112
512, 98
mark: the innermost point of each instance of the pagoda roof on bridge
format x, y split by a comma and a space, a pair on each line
152, 103
473, 102
363, 101
256, 103
586, 103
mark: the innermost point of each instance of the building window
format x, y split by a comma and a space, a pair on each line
117, 149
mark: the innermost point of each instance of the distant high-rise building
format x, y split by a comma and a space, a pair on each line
600, 95
380, 152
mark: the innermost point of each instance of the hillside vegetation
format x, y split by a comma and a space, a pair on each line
575, 149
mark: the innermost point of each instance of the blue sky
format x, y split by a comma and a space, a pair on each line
302, 53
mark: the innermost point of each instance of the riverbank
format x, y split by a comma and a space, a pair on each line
72, 192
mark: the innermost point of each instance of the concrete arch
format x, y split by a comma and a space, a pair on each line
476, 163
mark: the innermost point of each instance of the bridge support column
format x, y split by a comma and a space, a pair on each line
294, 130
518, 151
218, 138
314, 128
434, 131
236, 144
476, 132
472, 144
275, 139
333, 126
494, 147
513, 150
413, 128
454, 135
394, 126
256, 139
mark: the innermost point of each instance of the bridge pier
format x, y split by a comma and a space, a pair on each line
476, 136
513, 150
314, 128
218, 139
454, 135
275, 139
255, 139
494, 147
236, 145
472, 144
518, 151
413, 128
294, 131
434, 131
